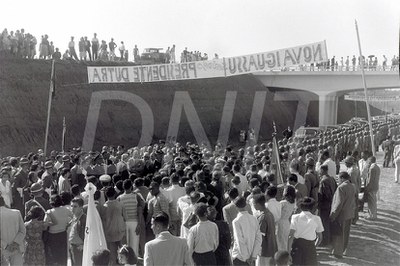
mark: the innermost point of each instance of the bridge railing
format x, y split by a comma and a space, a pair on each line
300, 68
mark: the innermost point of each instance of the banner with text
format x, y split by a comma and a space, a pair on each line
224, 67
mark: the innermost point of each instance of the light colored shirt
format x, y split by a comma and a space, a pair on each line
12, 228
185, 207
158, 204
275, 208
306, 225
173, 193
331, 167
61, 217
247, 237
363, 166
243, 185
203, 237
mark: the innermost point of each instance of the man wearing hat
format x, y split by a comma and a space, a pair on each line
20, 181
355, 179
47, 177
38, 199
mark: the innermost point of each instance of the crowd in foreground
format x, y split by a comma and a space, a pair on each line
174, 204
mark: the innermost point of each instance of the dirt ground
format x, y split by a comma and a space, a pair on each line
374, 242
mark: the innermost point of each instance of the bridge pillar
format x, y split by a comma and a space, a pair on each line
328, 108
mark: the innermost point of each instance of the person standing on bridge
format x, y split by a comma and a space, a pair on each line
353, 61
347, 63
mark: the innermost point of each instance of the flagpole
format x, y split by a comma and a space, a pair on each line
371, 133
278, 162
49, 108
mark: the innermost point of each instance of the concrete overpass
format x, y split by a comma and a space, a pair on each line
329, 85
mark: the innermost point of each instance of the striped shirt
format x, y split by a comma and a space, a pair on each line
130, 203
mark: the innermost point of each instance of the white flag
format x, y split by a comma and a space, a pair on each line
94, 234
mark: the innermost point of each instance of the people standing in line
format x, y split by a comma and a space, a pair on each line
267, 228
283, 225
247, 236
203, 238
372, 187
12, 235
95, 47
342, 213
305, 229
77, 232
165, 249
71, 47
326, 190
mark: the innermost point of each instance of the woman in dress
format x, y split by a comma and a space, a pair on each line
56, 244
34, 246
5, 188
287, 209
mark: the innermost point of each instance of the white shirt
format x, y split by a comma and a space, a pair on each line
331, 167
247, 237
243, 182
5, 191
362, 165
203, 237
173, 193
185, 206
306, 225
274, 207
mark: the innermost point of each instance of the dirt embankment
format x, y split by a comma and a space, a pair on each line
24, 88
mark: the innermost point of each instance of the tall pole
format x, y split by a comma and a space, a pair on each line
371, 133
49, 108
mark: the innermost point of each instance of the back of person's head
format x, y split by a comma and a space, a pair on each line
161, 219
254, 182
78, 201
110, 192
240, 202
35, 213
233, 193
66, 198
75, 190
175, 179
165, 181
259, 199
344, 176
236, 168
325, 154
324, 168
101, 257
56, 201
372, 159
306, 204
292, 178
127, 185
189, 190
201, 210
271, 191
294, 165
282, 258
97, 195
139, 182
236, 180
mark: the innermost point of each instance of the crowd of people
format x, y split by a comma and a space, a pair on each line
25, 45
174, 204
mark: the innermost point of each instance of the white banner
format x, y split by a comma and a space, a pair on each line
225, 67
372, 98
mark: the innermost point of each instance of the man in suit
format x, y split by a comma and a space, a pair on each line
372, 187
12, 235
342, 212
18, 186
165, 249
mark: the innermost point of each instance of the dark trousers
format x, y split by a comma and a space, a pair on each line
326, 222
340, 236
238, 262
303, 252
95, 50
76, 255
204, 259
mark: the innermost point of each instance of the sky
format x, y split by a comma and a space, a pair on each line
225, 27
